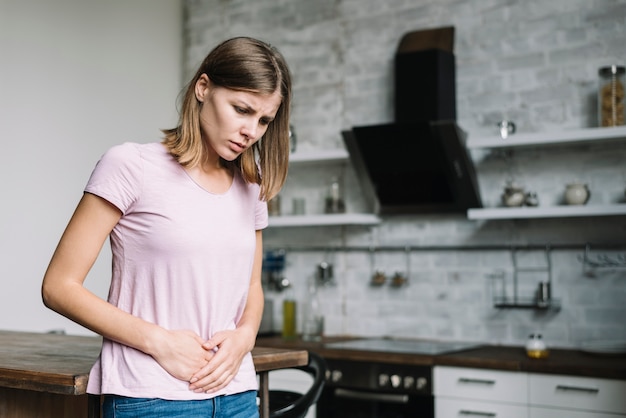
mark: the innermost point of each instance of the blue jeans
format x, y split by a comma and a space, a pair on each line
241, 405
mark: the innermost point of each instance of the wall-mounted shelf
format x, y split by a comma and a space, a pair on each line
550, 138
325, 220
319, 156
526, 303
560, 137
547, 212
515, 301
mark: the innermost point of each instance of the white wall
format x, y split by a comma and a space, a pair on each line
76, 77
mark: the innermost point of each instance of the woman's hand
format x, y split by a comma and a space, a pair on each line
181, 353
230, 347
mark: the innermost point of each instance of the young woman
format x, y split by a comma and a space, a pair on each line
184, 217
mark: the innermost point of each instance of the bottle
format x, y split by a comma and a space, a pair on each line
536, 347
289, 315
611, 95
313, 321
334, 201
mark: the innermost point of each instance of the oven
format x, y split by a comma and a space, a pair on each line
379, 389
358, 389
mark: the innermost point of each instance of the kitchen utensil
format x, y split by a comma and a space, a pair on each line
506, 128
513, 195
531, 199
543, 294
324, 272
399, 280
577, 194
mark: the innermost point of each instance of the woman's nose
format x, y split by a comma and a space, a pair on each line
250, 129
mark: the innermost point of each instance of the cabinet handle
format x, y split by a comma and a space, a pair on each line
479, 381
577, 389
372, 397
477, 413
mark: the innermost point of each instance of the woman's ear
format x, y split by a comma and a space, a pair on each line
202, 87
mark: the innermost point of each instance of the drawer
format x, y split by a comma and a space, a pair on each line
480, 384
466, 408
536, 412
581, 393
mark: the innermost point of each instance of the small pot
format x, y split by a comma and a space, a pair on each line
513, 196
577, 194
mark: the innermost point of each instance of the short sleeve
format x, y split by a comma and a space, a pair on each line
118, 176
261, 217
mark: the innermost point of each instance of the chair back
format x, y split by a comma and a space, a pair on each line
299, 404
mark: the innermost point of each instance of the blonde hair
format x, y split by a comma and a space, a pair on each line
244, 64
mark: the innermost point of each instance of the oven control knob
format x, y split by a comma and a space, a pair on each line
336, 375
421, 383
395, 381
409, 382
383, 380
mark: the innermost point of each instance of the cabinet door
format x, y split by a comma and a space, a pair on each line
481, 384
466, 408
536, 412
294, 381
580, 393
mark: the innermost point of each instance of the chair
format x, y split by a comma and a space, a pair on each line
285, 404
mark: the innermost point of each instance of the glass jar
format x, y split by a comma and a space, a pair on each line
536, 347
611, 95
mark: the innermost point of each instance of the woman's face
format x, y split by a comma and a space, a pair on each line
231, 121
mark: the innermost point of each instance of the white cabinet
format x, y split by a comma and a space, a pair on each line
466, 408
556, 395
560, 137
292, 380
465, 392
321, 158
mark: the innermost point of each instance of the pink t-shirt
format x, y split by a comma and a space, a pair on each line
182, 259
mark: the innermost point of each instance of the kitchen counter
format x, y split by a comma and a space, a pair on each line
46, 374
511, 358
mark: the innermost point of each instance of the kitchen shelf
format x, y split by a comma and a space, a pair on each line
564, 136
527, 303
525, 212
325, 220
319, 156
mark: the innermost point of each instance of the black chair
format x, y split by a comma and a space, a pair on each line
285, 404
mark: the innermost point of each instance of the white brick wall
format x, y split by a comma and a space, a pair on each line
532, 61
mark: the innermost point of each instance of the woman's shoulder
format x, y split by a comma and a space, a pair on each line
130, 151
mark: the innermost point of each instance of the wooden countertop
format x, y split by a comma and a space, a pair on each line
560, 361
61, 363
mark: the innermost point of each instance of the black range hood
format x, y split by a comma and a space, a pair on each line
411, 168
419, 164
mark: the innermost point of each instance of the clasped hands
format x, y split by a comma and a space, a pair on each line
208, 365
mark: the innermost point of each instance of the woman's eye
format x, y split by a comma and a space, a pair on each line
241, 110
264, 122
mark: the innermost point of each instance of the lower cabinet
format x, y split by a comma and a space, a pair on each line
575, 397
292, 380
467, 392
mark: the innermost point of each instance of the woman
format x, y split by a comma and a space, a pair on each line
184, 217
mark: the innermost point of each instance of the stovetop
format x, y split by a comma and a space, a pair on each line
397, 345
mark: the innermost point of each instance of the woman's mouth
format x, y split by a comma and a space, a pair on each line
237, 147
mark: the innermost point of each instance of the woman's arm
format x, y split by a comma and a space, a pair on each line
234, 345
179, 352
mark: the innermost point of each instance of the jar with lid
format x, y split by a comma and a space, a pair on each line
611, 95
536, 347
